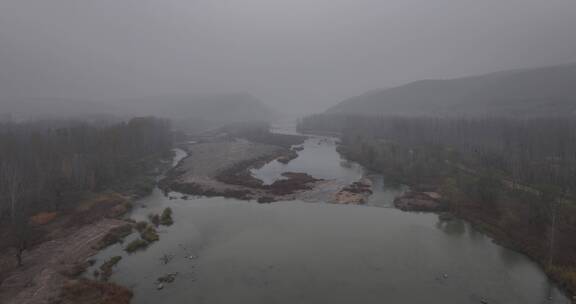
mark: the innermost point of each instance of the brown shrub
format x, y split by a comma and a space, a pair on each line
107, 205
43, 218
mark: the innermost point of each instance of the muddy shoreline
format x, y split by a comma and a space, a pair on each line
55, 263
519, 241
66, 240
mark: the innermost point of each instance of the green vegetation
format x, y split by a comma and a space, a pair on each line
163, 219
115, 235
51, 165
135, 245
166, 217
149, 234
567, 276
106, 267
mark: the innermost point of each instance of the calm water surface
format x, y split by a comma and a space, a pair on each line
229, 251
319, 159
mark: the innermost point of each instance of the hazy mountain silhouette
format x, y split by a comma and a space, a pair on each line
527, 92
220, 108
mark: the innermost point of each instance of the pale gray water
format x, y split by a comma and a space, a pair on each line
319, 159
296, 252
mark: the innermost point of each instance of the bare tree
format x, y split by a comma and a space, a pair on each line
12, 185
12, 180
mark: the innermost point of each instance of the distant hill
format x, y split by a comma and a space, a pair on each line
224, 108
202, 112
215, 107
529, 92
31, 108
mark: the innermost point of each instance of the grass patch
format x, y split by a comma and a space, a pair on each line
166, 217
149, 234
115, 235
106, 267
136, 245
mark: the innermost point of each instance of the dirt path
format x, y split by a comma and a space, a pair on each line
47, 267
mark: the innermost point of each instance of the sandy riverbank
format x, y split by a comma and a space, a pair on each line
61, 257
222, 169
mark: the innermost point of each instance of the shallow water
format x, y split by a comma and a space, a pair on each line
230, 251
319, 159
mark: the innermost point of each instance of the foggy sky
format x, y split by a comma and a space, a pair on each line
295, 55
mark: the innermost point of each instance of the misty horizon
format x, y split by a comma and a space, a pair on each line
296, 56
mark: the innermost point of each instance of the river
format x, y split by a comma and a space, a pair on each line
231, 251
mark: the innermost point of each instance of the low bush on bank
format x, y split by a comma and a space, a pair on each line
114, 236
106, 267
149, 234
566, 276
166, 217
136, 245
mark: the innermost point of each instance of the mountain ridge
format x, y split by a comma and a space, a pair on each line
521, 92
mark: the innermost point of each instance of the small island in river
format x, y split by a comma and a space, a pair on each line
222, 168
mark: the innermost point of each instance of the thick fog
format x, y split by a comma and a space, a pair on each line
295, 55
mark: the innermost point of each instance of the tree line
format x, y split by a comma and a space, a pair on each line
539, 152
48, 165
